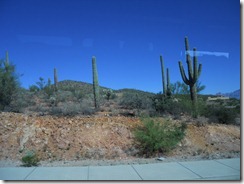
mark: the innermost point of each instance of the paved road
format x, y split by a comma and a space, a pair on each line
223, 169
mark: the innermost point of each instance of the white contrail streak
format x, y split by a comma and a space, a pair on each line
201, 53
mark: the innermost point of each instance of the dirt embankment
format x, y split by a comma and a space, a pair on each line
101, 137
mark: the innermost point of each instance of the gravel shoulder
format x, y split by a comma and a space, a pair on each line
104, 162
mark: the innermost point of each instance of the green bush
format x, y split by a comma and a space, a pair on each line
221, 114
73, 108
20, 101
34, 88
30, 159
78, 94
137, 101
64, 96
177, 104
108, 94
9, 83
158, 136
67, 109
174, 105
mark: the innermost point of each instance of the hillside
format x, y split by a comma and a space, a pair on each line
63, 125
87, 139
87, 88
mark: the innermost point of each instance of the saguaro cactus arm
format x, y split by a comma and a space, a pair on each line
183, 75
197, 68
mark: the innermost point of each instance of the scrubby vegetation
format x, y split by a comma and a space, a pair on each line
9, 83
69, 98
156, 136
73, 98
30, 159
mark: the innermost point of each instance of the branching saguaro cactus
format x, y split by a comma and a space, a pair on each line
166, 87
193, 75
55, 79
95, 82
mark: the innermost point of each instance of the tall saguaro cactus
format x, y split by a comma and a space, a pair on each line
7, 66
166, 87
95, 82
163, 76
193, 74
168, 90
7, 58
55, 79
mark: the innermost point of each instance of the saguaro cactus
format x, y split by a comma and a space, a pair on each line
7, 66
7, 58
166, 87
193, 74
163, 77
168, 90
55, 79
95, 82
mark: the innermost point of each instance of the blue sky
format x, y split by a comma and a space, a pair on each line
126, 36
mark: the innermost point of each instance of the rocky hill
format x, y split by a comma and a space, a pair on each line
63, 126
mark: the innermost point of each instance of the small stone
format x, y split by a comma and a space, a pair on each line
160, 158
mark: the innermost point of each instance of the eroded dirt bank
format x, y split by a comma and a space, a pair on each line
103, 138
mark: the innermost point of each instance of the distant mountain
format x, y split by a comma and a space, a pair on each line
235, 94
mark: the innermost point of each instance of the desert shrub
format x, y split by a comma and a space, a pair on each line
176, 104
73, 108
8, 83
221, 114
55, 111
131, 100
78, 94
173, 105
41, 83
158, 136
63, 96
49, 89
34, 88
40, 109
86, 107
162, 104
20, 101
30, 159
108, 94
70, 109
46, 89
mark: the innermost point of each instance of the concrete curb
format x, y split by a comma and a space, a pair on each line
222, 169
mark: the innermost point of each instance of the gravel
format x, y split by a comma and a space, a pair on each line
90, 162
